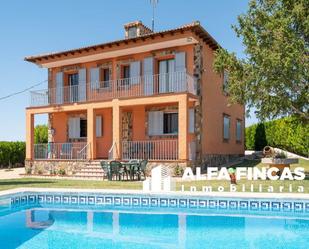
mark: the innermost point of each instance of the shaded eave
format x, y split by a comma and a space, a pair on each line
194, 27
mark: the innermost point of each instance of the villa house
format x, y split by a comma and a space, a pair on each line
151, 95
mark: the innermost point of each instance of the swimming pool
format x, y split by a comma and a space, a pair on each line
36, 219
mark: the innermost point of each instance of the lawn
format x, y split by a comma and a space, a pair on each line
59, 183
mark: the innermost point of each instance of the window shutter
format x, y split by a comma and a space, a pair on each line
180, 62
98, 126
82, 84
155, 123
162, 77
135, 68
172, 80
191, 120
148, 76
59, 88
74, 127
95, 78
180, 68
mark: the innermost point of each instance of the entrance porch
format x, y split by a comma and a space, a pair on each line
119, 130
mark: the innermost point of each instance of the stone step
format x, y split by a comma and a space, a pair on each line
89, 175
92, 165
89, 172
92, 168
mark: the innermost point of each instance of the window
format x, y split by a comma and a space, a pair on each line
105, 77
73, 79
83, 128
226, 127
132, 32
225, 80
170, 123
77, 127
73, 90
166, 81
126, 75
238, 130
99, 126
191, 120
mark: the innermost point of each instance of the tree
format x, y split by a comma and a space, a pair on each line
273, 76
40, 134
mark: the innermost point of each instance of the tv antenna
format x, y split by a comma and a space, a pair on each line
154, 5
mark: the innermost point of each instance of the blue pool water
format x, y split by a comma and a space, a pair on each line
41, 225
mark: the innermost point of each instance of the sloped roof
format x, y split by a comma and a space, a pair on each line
194, 27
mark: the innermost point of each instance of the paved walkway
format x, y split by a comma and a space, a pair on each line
12, 173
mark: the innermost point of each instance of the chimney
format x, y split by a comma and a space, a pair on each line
136, 29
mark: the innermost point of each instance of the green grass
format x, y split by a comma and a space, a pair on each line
62, 183
59, 183
80, 184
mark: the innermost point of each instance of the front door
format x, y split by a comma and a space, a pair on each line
73, 87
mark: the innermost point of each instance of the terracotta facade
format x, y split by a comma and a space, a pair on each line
124, 117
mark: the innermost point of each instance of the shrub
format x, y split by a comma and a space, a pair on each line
178, 171
12, 153
62, 172
40, 134
286, 133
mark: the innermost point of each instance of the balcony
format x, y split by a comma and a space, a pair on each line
142, 86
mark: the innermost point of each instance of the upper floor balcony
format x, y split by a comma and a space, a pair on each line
141, 86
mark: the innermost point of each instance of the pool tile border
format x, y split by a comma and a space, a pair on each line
146, 201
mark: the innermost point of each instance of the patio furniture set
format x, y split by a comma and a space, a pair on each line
132, 170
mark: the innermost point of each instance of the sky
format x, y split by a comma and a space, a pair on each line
33, 27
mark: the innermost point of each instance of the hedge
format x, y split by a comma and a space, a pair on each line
286, 133
12, 153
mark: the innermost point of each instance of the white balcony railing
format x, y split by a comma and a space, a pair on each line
164, 150
67, 151
146, 85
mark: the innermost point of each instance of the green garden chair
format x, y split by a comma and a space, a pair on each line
106, 168
142, 168
117, 169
